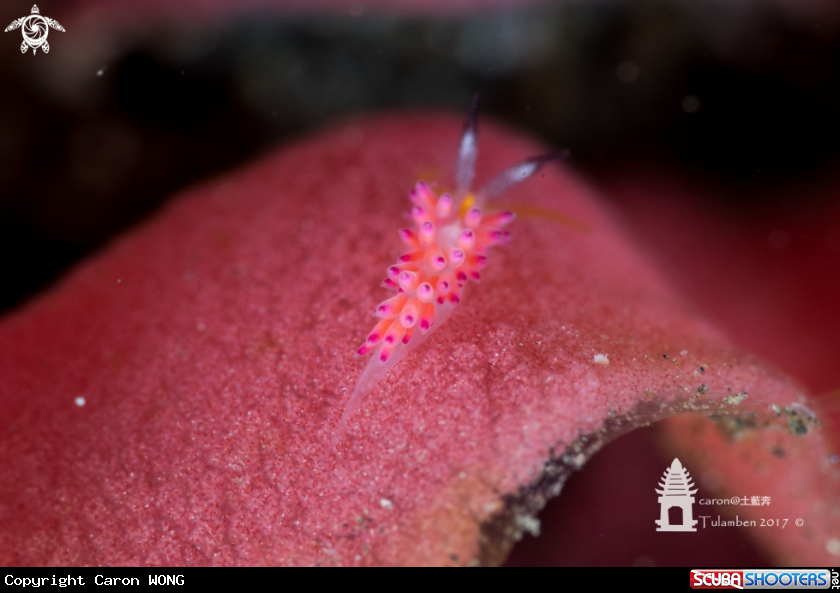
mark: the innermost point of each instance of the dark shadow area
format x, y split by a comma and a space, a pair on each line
614, 497
748, 95
744, 94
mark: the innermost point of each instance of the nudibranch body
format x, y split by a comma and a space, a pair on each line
446, 248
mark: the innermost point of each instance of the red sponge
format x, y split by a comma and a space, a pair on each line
173, 400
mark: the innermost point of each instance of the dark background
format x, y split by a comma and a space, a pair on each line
98, 133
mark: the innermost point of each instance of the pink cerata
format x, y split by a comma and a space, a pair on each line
446, 248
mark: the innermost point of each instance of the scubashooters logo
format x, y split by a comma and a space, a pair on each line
749, 578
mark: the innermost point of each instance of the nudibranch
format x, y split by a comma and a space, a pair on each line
446, 248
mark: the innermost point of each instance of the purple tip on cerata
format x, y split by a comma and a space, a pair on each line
427, 233
383, 356
475, 275
456, 257
389, 339
444, 206
462, 277
473, 217
424, 290
499, 237
440, 300
407, 280
424, 325
393, 272
467, 239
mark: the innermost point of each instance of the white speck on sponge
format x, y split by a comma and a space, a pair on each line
386, 504
602, 359
529, 524
832, 546
683, 352
80, 401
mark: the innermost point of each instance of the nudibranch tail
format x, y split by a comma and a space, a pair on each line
377, 368
447, 248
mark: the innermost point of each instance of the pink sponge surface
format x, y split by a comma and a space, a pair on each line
213, 351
